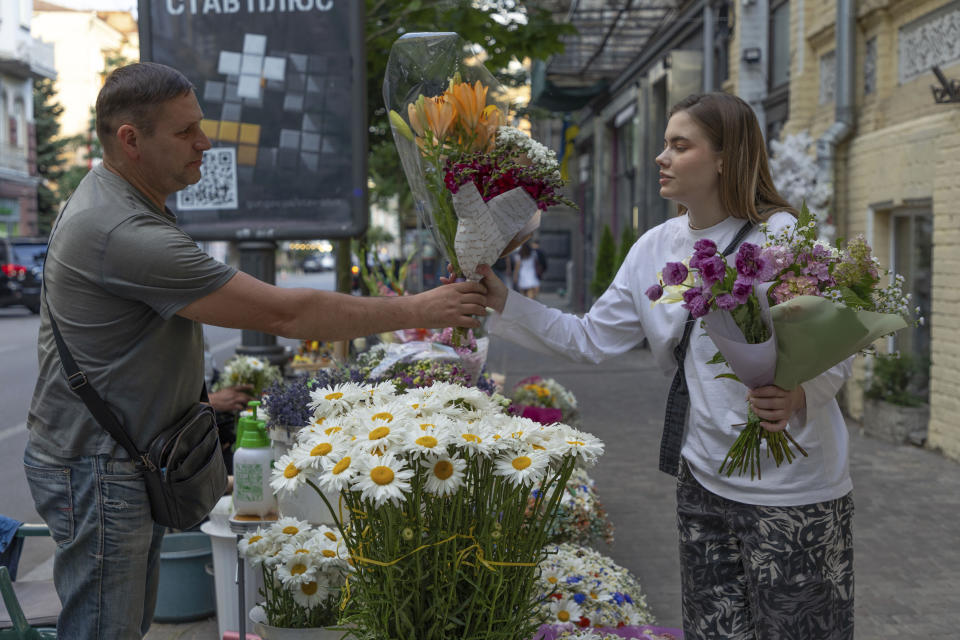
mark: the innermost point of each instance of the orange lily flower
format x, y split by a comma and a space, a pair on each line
490, 119
469, 101
440, 114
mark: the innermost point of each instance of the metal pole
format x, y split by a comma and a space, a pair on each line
257, 258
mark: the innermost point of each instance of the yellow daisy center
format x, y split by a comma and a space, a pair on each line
552, 580
301, 551
383, 415
563, 616
379, 432
443, 469
576, 443
321, 449
254, 539
426, 441
327, 553
537, 447
291, 530
333, 396
382, 475
470, 437
341, 466
309, 588
320, 420
291, 471
427, 425
521, 462
330, 536
298, 569
331, 430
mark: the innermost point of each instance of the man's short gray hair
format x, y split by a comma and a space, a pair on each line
133, 94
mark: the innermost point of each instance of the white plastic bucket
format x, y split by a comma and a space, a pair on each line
224, 546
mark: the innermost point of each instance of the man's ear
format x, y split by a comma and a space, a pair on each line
128, 139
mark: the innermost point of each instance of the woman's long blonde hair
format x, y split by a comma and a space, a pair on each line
746, 188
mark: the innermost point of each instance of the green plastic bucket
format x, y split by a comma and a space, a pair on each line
186, 591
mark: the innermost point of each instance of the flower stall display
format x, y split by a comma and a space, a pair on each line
580, 586
581, 518
433, 491
247, 370
544, 400
312, 355
785, 313
304, 569
573, 632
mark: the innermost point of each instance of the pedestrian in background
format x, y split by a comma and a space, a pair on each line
129, 291
526, 277
770, 559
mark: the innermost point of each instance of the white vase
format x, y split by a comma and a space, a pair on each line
259, 618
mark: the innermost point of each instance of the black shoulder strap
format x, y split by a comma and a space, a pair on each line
678, 399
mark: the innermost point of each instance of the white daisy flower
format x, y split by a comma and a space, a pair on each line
298, 569
309, 453
309, 594
380, 392
382, 479
584, 445
288, 529
565, 610
521, 468
287, 475
425, 439
445, 474
473, 437
253, 546
337, 473
381, 428
337, 400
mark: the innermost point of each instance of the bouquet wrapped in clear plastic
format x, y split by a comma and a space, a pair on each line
479, 186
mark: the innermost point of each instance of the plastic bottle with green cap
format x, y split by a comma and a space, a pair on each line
247, 419
252, 465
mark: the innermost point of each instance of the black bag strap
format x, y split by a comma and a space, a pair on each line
79, 383
678, 399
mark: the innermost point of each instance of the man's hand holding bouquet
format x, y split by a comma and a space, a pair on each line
784, 314
479, 185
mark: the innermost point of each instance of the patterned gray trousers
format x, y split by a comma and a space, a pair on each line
764, 573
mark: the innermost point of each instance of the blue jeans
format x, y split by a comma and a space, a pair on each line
108, 547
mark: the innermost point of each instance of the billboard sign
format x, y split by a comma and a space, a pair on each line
282, 87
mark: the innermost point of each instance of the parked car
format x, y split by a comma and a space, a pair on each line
21, 271
311, 264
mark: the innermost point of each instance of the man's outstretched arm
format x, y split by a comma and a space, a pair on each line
247, 303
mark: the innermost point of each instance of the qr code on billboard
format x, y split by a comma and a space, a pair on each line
217, 188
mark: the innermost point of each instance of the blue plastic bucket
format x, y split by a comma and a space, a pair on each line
186, 591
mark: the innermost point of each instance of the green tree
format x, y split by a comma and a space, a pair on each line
606, 266
50, 148
505, 29
627, 238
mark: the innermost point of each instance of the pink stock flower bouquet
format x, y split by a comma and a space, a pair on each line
783, 314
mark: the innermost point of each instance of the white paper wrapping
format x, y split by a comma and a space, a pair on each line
485, 229
754, 364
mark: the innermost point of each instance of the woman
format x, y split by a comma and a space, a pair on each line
770, 558
526, 276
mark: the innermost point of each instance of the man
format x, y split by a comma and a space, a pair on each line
129, 290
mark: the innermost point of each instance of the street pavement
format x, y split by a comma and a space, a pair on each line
907, 559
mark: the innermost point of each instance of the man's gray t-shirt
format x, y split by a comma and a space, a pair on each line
117, 271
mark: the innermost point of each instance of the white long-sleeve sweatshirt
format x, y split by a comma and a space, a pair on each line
623, 316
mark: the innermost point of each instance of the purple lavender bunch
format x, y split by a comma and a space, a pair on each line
286, 403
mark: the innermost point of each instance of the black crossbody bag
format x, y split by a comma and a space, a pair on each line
184, 470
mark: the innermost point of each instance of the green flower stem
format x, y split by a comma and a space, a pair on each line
745, 452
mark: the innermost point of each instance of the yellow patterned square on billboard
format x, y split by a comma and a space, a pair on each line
209, 128
247, 155
249, 133
229, 131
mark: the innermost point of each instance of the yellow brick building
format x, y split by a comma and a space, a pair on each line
897, 175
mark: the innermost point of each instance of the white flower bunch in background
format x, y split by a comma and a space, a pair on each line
581, 586
436, 483
248, 370
798, 178
536, 152
304, 569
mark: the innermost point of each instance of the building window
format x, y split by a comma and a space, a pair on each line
870, 67
912, 258
828, 77
9, 217
19, 128
624, 168
4, 119
779, 45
